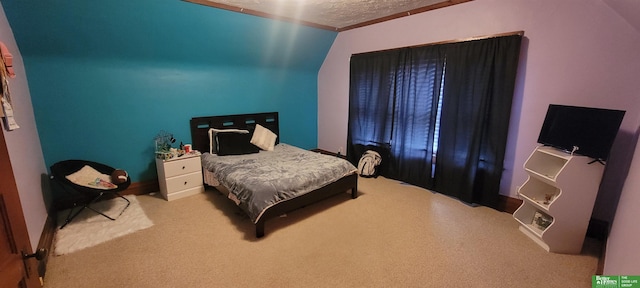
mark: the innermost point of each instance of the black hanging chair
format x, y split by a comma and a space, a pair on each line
85, 196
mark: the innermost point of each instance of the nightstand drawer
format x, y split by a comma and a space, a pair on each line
184, 182
180, 167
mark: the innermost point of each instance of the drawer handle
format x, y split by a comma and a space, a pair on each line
183, 167
185, 182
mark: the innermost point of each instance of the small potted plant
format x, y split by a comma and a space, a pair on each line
163, 142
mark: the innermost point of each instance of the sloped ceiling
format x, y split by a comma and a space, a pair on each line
627, 9
336, 15
340, 15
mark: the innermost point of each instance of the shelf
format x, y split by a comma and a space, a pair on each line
536, 238
554, 152
539, 193
558, 199
546, 163
525, 215
534, 229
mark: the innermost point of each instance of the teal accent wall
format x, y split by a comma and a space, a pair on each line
106, 76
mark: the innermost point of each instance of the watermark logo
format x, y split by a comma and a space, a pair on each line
604, 281
598, 281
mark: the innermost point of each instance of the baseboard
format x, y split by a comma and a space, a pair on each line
508, 204
599, 229
46, 242
136, 188
141, 188
603, 256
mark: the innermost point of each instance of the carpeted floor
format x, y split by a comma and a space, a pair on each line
392, 235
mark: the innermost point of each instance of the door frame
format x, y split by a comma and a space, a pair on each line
18, 235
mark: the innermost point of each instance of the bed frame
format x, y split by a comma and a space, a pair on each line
200, 141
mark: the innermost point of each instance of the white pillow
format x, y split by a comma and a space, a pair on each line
212, 137
264, 138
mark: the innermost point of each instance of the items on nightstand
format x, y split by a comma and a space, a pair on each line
164, 150
163, 142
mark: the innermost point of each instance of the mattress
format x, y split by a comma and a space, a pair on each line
260, 180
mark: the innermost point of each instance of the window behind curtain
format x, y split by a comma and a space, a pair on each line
373, 78
397, 98
393, 103
476, 109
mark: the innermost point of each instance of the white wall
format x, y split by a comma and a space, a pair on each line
622, 247
23, 144
575, 52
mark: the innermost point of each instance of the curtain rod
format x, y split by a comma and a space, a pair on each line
520, 33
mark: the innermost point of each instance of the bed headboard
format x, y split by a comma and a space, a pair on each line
200, 126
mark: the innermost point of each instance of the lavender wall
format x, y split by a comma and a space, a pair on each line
23, 143
622, 246
575, 52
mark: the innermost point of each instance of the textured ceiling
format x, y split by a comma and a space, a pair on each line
331, 14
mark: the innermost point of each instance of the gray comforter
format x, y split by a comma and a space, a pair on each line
259, 181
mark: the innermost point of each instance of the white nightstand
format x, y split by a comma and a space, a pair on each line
180, 177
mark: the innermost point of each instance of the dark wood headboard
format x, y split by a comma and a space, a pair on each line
200, 126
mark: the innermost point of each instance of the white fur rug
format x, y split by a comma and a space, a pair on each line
89, 228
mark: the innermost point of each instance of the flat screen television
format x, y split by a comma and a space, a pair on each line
590, 130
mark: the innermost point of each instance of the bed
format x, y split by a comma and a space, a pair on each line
267, 184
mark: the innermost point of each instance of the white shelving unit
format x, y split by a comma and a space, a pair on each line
562, 188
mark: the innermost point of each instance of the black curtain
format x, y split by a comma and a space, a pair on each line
393, 104
417, 93
371, 100
392, 107
476, 107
